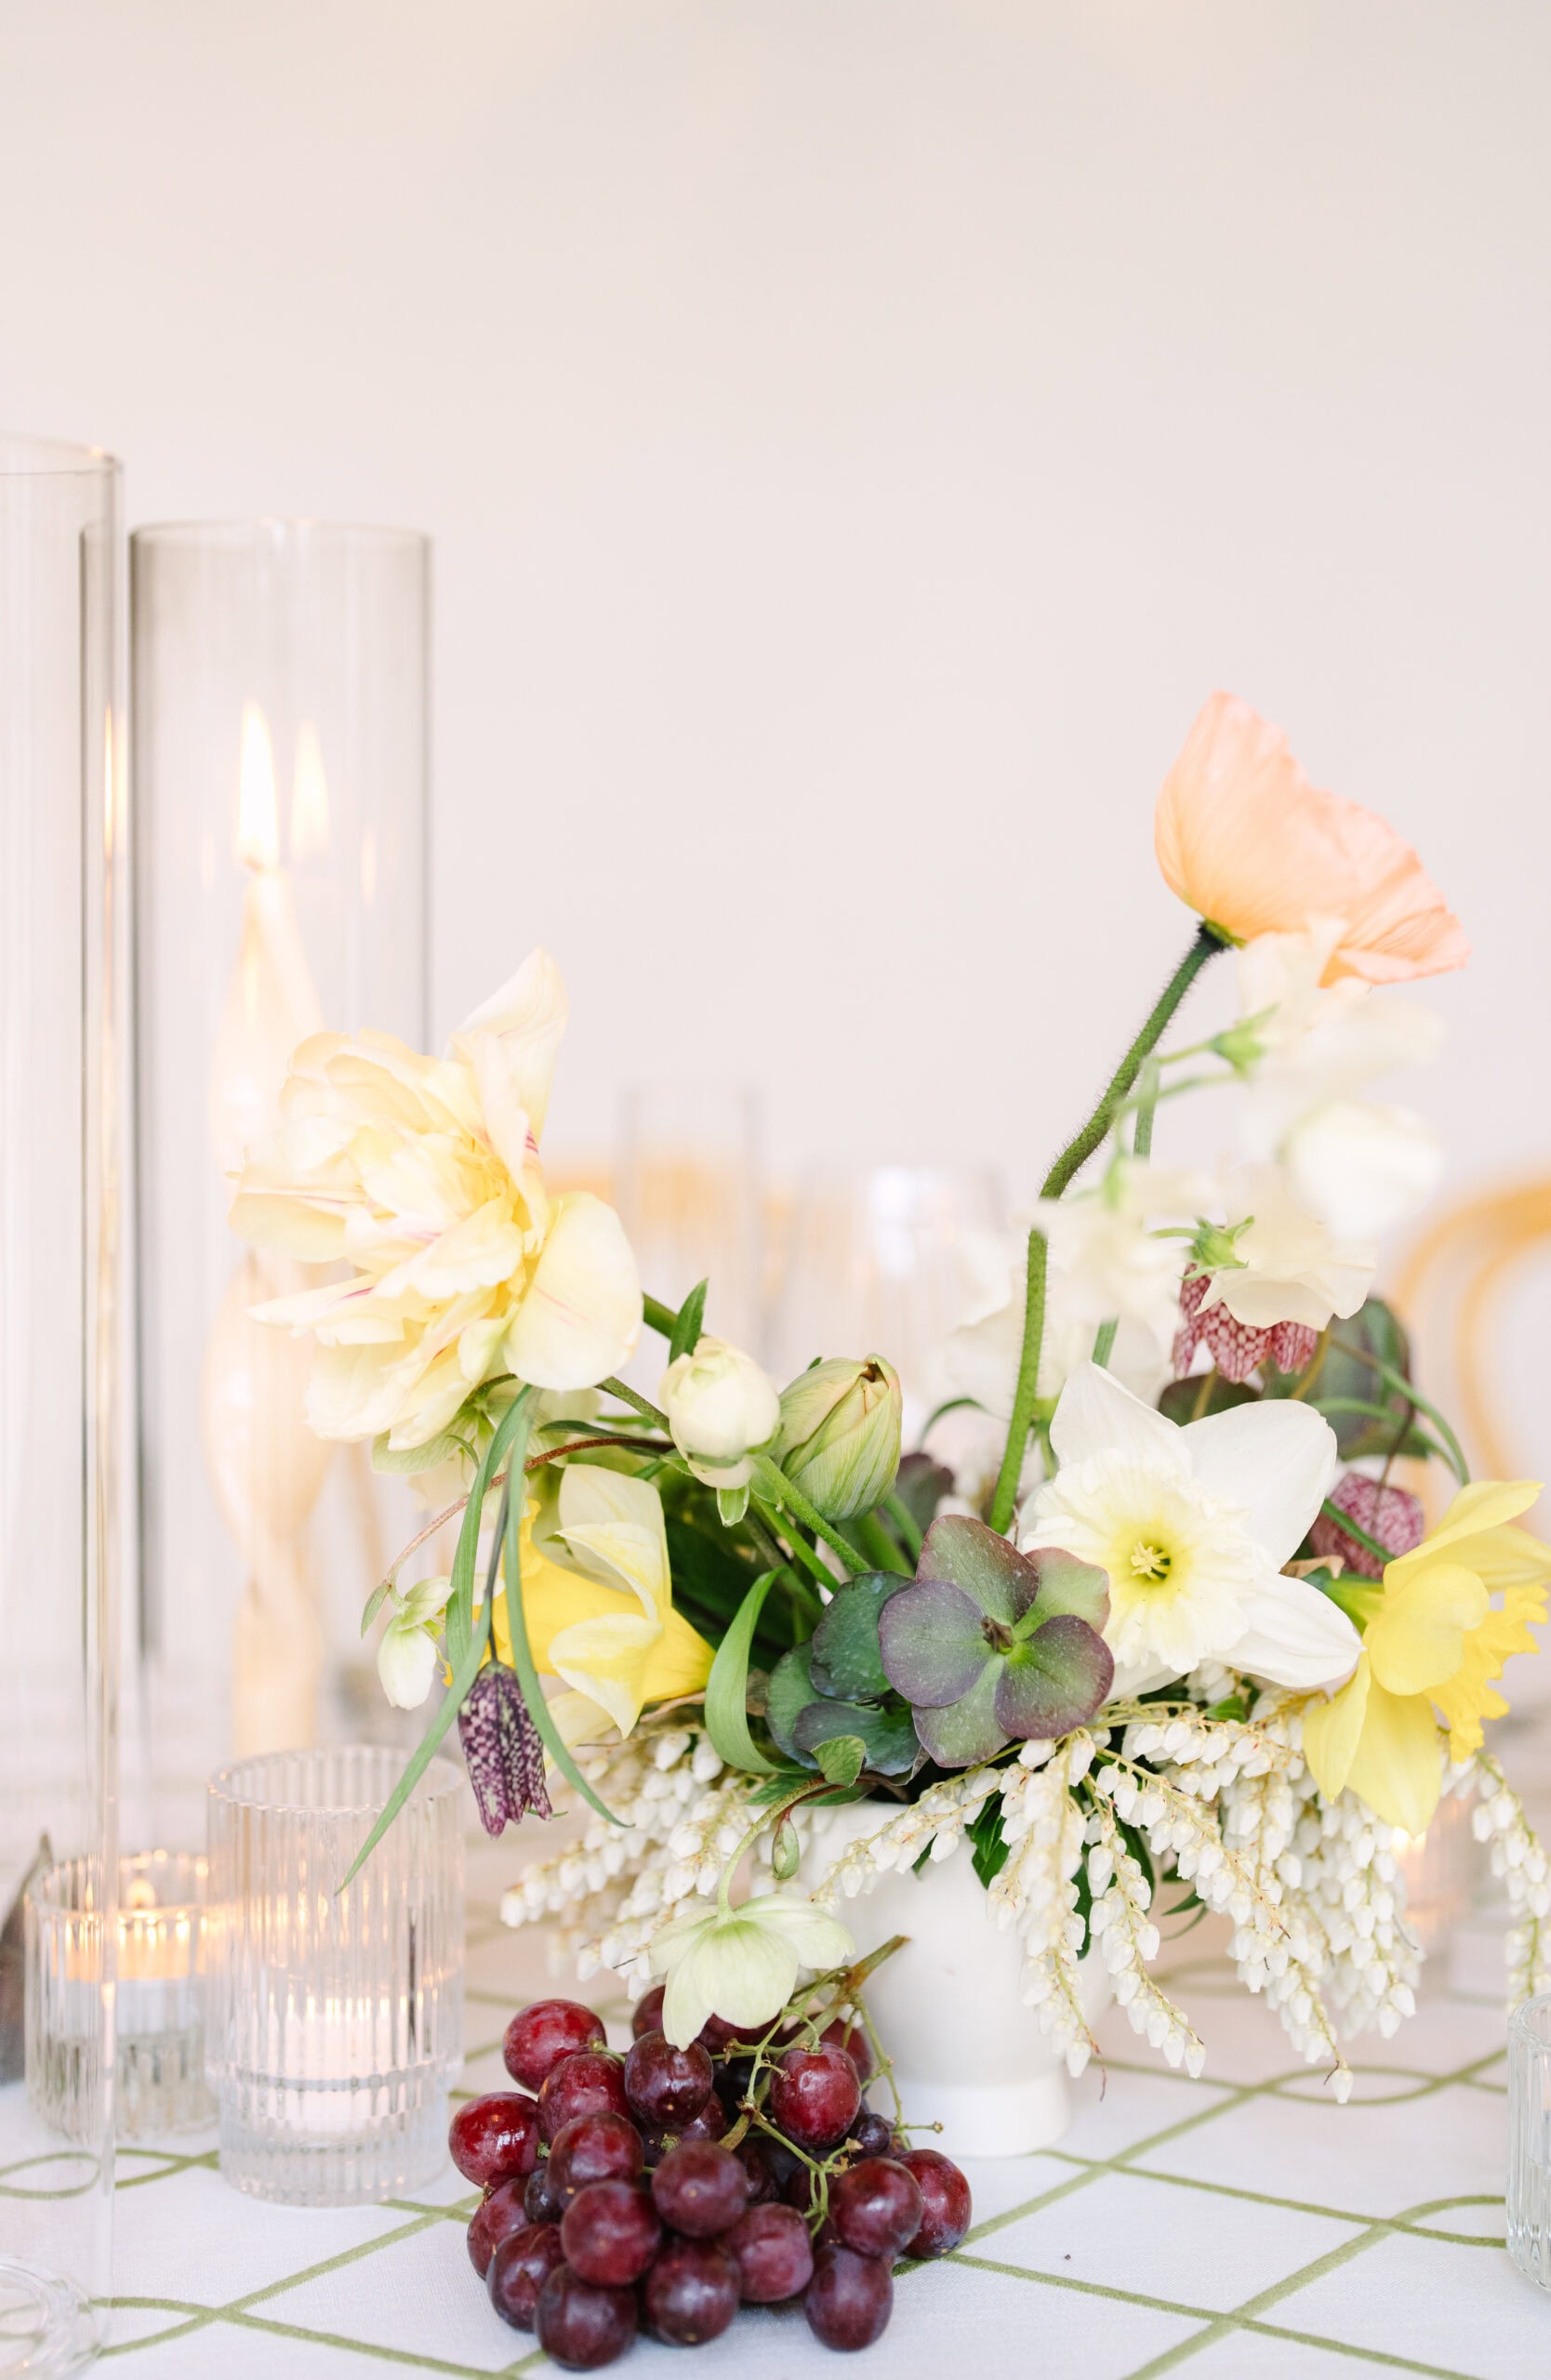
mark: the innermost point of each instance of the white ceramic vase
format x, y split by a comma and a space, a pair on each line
967, 2052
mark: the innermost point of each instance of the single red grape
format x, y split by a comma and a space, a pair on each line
518, 2270
589, 2083
648, 2015
491, 2139
710, 2124
497, 2216
579, 2323
593, 2148
849, 2298
772, 2254
850, 2036
700, 2188
875, 2135
691, 2292
539, 2198
664, 2086
769, 2165
716, 2033
537, 2038
946, 2203
814, 2095
610, 2233
875, 2207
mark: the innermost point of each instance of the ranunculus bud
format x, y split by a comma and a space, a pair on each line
722, 1411
839, 1434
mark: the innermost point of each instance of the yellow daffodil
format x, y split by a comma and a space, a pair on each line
1434, 1640
619, 1648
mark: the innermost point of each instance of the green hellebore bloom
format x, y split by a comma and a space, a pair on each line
840, 1435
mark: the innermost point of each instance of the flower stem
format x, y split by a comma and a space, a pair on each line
647, 1411
1079, 1149
779, 1490
800, 1546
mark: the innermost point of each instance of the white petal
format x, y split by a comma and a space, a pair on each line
406, 1663
1296, 1636
1095, 1414
581, 1316
1363, 1168
528, 1015
1275, 1461
819, 1939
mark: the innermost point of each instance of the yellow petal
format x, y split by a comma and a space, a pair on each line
1416, 1637
1511, 1557
578, 1719
580, 1314
1466, 1698
1485, 1504
555, 1599
680, 1662
1398, 1770
607, 1660
1332, 1731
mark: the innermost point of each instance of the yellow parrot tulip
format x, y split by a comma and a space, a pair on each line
617, 1647
1434, 1640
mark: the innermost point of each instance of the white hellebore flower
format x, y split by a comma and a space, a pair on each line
1286, 1265
742, 1964
722, 1409
421, 1176
406, 1657
1361, 1168
1193, 1526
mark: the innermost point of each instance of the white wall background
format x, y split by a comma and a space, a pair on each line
856, 434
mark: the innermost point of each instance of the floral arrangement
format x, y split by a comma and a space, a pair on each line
1183, 1633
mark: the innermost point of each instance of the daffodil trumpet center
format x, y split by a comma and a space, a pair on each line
1150, 1564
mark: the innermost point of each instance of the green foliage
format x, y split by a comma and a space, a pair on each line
841, 1758
845, 1659
727, 1690
991, 1849
688, 1323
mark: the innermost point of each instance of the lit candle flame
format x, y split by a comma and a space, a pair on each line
257, 821
309, 797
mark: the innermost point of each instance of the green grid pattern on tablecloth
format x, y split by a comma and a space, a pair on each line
1219, 2227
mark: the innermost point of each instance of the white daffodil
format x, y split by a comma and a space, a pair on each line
407, 1656
722, 1408
611, 1635
1192, 1527
742, 1964
1284, 1264
421, 1176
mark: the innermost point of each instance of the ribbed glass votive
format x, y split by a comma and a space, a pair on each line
159, 2084
334, 2017
1529, 2139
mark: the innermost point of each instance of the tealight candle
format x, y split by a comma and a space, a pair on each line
159, 1994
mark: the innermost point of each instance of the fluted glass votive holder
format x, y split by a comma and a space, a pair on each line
1529, 2139
159, 2069
333, 2020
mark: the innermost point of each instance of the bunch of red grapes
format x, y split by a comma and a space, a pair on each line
613, 2201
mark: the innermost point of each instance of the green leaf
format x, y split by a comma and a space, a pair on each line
460, 1602
888, 1736
790, 1692
727, 1690
1179, 1400
517, 1628
979, 1560
991, 1846
375, 1601
841, 1758
779, 1787
845, 1659
731, 1503
687, 1324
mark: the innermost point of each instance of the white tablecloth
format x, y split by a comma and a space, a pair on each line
1239, 2225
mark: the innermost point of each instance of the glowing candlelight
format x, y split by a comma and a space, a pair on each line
266, 1465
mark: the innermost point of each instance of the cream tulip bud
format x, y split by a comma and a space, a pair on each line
841, 1424
722, 1411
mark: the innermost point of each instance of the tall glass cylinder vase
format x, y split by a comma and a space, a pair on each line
62, 1051
279, 675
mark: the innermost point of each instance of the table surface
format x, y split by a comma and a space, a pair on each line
1240, 2223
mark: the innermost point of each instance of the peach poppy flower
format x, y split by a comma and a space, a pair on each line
1253, 847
